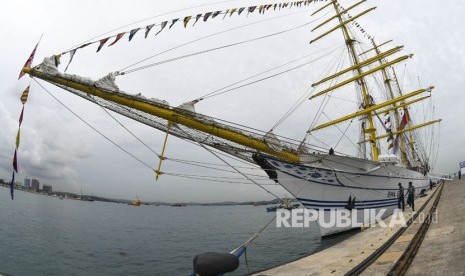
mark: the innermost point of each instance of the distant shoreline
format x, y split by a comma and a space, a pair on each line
90, 198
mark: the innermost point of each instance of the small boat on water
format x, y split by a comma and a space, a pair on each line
135, 202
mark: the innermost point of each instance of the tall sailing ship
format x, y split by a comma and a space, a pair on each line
388, 152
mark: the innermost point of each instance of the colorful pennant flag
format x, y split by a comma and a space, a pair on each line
251, 9
147, 29
163, 25
215, 14
25, 94
29, 60
240, 11
206, 16
232, 12
12, 186
174, 22
186, 20
71, 56
21, 116
102, 42
197, 17
132, 33
118, 37
15, 162
18, 138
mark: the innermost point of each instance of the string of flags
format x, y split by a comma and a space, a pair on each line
185, 21
24, 96
23, 99
356, 24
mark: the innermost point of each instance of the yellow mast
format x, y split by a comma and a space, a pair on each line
409, 124
350, 44
387, 82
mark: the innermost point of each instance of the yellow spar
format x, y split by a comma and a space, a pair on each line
372, 108
171, 115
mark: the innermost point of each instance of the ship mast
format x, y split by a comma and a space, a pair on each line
238, 141
371, 130
368, 108
387, 83
411, 140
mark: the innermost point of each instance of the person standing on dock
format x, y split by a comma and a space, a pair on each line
400, 197
411, 196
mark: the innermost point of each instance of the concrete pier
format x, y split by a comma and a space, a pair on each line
442, 251
343, 257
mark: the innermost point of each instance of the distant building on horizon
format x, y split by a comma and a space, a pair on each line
27, 182
47, 189
35, 185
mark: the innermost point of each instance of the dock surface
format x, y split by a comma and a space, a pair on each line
442, 251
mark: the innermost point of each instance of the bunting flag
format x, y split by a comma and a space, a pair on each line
12, 186
174, 22
388, 127
215, 14
251, 9
206, 16
147, 29
118, 37
163, 25
132, 33
186, 20
102, 42
24, 95
197, 17
18, 138
405, 119
21, 116
71, 56
15, 162
29, 60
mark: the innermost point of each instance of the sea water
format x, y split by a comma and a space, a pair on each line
42, 235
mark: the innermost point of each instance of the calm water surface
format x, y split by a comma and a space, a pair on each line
43, 235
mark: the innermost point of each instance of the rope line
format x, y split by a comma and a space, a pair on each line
212, 49
148, 18
205, 37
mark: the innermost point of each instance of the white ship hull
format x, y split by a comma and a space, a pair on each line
326, 182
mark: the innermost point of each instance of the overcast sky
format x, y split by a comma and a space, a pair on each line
58, 149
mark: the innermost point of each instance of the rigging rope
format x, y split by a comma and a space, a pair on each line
215, 92
227, 163
148, 18
92, 127
207, 36
211, 50
207, 178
